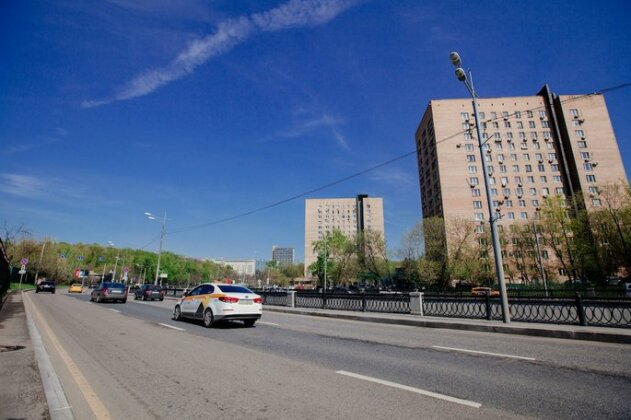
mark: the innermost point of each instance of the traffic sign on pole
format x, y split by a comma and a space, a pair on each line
24, 261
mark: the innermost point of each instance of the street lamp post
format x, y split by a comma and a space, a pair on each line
116, 263
162, 234
499, 265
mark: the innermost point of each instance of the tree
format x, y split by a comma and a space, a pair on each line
559, 233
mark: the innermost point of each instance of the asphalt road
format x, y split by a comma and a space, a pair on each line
117, 360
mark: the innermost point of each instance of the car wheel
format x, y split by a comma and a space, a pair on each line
144, 298
124, 301
249, 322
36, 291
209, 319
98, 298
177, 313
161, 299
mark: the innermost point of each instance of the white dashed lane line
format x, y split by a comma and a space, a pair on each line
172, 327
509, 356
412, 389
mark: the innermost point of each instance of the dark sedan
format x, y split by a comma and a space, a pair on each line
109, 291
45, 286
149, 292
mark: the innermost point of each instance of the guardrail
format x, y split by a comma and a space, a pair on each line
606, 312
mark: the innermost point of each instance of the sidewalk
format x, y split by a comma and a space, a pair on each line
21, 389
573, 332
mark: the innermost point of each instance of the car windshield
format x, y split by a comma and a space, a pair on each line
234, 289
48, 283
114, 285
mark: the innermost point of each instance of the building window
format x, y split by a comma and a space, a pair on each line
582, 144
528, 168
585, 155
545, 191
526, 156
535, 203
529, 114
493, 191
545, 124
523, 215
507, 124
473, 169
468, 147
593, 190
511, 146
520, 124
475, 192
531, 124
596, 202
473, 180
493, 115
464, 116
470, 158
519, 191
467, 135
515, 168
479, 216
517, 114
591, 178
479, 229
554, 167
503, 169
543, 179
508, 203
574, 112
481, 115
511, 215
541, 167
556, 178
522, 203
559, 191
588, 167
530, 179
579, 133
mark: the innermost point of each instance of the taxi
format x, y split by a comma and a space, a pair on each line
75, 288
212, 303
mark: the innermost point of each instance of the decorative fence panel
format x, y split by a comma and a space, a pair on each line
605, 312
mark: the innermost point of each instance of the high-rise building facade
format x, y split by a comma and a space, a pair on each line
283, 255
349, 215
535, 147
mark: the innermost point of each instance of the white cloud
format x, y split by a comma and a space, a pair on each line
228, 35
22, 185
393, 176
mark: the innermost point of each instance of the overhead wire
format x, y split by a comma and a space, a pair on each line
375, 167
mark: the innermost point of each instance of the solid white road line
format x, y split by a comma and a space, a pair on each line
55, 396
268, 323
171, 326
412, 389
114, 310
510, 356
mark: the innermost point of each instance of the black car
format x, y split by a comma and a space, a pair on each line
111, 291
149, 292
45, 286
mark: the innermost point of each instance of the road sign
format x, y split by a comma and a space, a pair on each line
126, 270
24, 261
80, 257
23, 267
77, 273
101, 258
22, 271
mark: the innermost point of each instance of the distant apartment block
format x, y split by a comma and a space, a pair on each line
535, 146
283, 255
349, 215
241, 267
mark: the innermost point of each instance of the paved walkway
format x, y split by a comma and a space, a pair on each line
21, 389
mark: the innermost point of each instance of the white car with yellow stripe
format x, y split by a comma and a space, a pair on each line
211, 303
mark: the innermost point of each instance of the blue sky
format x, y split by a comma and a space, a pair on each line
209, 109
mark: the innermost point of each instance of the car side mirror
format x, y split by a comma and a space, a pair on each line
184, 294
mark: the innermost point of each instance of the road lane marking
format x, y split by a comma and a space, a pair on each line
171, 326
411, 389
114, 310
268, 323
95, 404
510, 356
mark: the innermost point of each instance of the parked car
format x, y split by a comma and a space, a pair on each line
75, 288
220, 302
149, 292
109, 291
483, 291
45, 286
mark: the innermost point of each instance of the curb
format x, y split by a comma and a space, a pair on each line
606, 337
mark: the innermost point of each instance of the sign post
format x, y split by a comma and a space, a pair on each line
22, 271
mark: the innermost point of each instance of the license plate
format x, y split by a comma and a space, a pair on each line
245, 301
117, 291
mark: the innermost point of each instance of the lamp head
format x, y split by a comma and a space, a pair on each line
455, 59
460, 74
